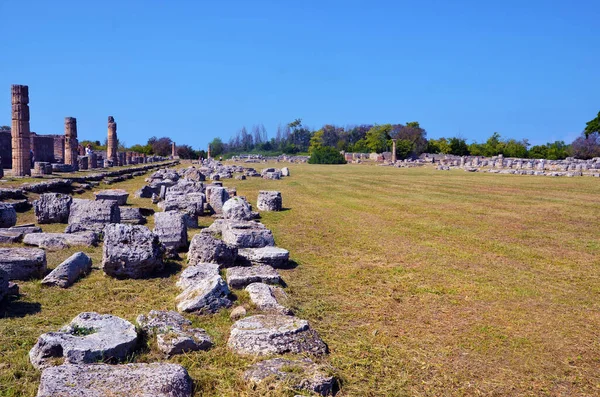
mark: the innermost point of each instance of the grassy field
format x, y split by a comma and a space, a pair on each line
423, 283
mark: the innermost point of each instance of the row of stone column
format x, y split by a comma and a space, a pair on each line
20, 139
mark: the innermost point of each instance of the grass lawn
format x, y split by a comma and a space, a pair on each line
422, 282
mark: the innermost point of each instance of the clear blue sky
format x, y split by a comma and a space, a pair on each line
193, 70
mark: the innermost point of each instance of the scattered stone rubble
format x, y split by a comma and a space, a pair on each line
131, 251
69, 271
23, 263
101, 380
568, 167
88, 338
174, 334
235, 241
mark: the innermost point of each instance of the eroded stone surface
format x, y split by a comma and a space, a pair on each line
52, 208
301, 374
131, 251
131, 215
8, 215
118, 195
171, 230
272, 256
23, 263
92, 215
173, 332
59, 241
196, 273
65, 274
88, 338
204, 248
205, 296
266, 334
102, 380
264, 297
269, 200
238, 209
247, 234
241, 276
216, 197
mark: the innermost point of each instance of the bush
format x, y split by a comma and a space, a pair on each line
326, 155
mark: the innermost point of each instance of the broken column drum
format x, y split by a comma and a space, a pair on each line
71, 143
21, 161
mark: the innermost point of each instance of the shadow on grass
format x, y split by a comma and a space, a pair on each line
15, 308
291, 264
171, 268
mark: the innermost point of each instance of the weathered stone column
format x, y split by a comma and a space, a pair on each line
113, 142
173, 150
393, 150
71, 144
208, 153
21, 161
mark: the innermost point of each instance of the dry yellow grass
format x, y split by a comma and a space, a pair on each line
423, 283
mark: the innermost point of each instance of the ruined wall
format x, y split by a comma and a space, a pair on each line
5, 148
59, 148
43, 147
48, 148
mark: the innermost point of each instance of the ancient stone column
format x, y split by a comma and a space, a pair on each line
113, 142
208, 153
21, 159
71, 144
128, 158
393, 150
173, 150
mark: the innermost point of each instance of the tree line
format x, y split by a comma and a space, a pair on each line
411, 141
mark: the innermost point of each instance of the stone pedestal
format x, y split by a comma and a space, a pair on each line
20, 133
83, 163
93, 160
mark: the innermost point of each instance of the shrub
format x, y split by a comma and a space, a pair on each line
326, 155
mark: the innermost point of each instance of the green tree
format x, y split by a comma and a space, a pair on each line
592, 126
538, 152
326, 155
493, 146
558, 150
316, 141
377, 138
476, 149
359, 147
404, 148
216, 147
514, 148
458, 147
146, 149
